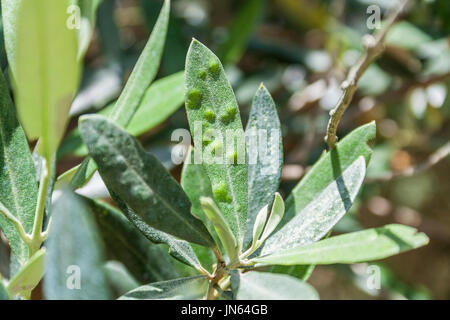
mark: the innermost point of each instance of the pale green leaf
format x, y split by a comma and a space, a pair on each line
17, 175
47, 71
221, 226
276, 214
75, 259
260, 222
317, 218
160, 101
141, 180
269, 286
263, 129
179, 289
140, 79
361, 246
211, 107
29, 275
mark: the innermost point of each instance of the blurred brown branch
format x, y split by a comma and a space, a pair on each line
433, 159
374, 46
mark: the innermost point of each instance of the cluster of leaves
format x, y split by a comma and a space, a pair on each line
223, 233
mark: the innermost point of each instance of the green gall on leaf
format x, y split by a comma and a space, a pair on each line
202, 74
194, 98
214, 67
221, 193
218, 95
210, 115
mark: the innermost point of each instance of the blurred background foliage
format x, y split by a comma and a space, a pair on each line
301, 50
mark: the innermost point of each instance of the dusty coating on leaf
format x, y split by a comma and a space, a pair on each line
264, 176
318, 217
210, 99
147, 262
355, 247
269, 286
74, 252
179, 249
328, 167
184, 288
18, 188
141, 180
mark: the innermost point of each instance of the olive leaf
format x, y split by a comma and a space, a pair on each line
85, 12
328, 168
75, 258
146, 261
211, 107
240, 31
141, 180
264, 172
269, 286
179, 249
196, 184
119, 277
28, 276
221, 226
317, 218
17, 176
46, 70
161, 100
4, 295
355, 247
140, 79
184, 288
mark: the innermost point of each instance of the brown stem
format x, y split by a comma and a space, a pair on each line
434, 158
374, 46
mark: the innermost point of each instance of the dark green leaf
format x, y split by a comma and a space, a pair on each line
240, 31
146, 261
269, 286
119, 278
17, 176
4, 295
179, 289
355, 247
211, 107
141, 180
317, 218
179, 249
264, 172
74, 264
